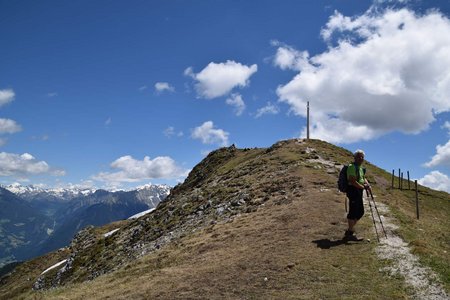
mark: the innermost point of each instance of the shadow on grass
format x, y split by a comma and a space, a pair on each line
327, 244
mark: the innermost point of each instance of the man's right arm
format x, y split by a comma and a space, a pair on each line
352, 180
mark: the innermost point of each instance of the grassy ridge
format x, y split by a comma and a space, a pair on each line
286, 242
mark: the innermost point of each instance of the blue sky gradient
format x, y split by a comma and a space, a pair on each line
116, 94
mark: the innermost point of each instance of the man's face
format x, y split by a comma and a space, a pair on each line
359, 158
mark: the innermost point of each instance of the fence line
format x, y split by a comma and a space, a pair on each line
400, 186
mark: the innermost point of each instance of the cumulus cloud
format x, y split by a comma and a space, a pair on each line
130, 169
219, 79
377, 76
6, 96
290, 58
436, 180
237, 102
163, 86
9, 126
209, 135
441, 158
269, 109
24, 165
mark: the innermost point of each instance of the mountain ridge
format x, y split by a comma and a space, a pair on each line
57, 219
246, 223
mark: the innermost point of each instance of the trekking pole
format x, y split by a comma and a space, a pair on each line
373, 199
373, 218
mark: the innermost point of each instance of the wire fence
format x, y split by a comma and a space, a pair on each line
400, 185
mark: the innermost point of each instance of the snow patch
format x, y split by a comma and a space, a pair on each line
141, 214
110, 233
54, 266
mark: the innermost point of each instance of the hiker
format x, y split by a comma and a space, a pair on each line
357, 183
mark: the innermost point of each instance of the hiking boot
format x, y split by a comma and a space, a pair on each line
354, 238
350, 236
348, 233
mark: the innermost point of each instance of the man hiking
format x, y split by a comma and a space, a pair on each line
357, 183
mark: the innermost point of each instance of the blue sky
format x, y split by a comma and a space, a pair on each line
116, 94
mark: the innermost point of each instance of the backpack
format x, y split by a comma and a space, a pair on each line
343, 181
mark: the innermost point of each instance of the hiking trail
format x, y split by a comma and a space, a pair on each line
423, 281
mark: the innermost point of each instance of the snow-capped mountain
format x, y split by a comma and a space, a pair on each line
60, 213
152, 193
32, 192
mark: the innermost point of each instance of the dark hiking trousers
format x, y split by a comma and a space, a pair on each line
356, 205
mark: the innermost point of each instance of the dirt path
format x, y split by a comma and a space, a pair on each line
422, 280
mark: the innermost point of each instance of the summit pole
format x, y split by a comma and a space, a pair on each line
307, 120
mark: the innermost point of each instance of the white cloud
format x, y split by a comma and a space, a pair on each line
108, 122
219, 79
442, 156
6, 96
436, 180
24, 165
237, 102
170, 131
377, 78
9, 126
142, 88
269, 109
133, 170
84, 184
209, 135
163, 86
289, 58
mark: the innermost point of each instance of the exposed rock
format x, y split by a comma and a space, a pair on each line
226, 184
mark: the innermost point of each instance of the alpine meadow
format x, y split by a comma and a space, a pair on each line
176, 149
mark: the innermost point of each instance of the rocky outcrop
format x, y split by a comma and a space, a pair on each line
227, 183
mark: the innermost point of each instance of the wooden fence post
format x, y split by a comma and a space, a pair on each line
393, 175
398, 178
409, 182
417, 200
401, 182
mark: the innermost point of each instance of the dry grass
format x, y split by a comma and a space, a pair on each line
289, 248
288, 251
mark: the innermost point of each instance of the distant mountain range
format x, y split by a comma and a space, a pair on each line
34, 221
